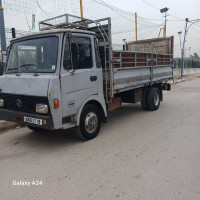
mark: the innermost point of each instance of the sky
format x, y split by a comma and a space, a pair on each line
178, 8
178, 11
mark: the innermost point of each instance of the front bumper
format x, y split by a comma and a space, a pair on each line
16, 116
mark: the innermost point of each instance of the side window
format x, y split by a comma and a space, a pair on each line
81, 52
67, 56
98, 60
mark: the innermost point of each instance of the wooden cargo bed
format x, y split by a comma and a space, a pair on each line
135, 69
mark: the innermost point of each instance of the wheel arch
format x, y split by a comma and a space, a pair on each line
99, 102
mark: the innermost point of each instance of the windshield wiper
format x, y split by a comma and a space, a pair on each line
35, 74
12, 69
21, 66
18, 74
26, 65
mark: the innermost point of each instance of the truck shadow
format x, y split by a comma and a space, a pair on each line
57, 139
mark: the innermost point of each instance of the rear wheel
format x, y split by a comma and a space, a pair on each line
153, 99
144, 99
90, 123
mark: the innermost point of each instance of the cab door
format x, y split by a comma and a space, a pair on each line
78, 72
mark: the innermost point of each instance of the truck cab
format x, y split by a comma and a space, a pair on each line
50, 78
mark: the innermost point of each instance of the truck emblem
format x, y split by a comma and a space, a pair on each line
19, 103
71, 104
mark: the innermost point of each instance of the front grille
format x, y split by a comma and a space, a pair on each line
28, 102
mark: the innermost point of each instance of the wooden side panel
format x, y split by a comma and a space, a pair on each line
137, 95
124, 59
114, 104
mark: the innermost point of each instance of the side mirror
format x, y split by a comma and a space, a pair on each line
8, 48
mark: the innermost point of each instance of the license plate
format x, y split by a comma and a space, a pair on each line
33, 120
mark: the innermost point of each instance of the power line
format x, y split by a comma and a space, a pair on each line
159, 9
198, 32
150, 19
117, 10
113, 7
153, 30
176, 17
197, 24
151, 5
45, 10
122, 21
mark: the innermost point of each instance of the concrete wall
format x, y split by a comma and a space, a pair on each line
156, 45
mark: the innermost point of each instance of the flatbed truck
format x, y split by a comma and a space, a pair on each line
67, 75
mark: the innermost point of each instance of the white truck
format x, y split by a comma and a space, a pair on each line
67, 75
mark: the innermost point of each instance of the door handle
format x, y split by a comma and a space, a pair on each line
93, 78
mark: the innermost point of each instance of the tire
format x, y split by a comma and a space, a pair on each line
153, 99
144, 99
90, 123
36, 129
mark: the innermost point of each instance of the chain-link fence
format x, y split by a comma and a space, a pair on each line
123, 22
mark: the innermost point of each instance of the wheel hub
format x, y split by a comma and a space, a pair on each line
91, 122
156, 99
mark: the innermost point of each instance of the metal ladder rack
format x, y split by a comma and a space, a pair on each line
63, 21
102, 28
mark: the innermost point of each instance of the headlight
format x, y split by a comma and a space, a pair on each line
1, 103
41, 108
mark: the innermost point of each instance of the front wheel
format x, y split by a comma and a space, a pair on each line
144, 104
90, 123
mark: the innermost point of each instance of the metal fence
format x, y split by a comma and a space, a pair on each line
1, 69
188, 63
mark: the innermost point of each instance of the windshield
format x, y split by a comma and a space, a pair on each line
33, 55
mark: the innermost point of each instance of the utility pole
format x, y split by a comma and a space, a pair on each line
183, 49
186, 31
136, 35
165, 28
3, 37
124, 44
164, 10
189, 51
179, 33
81, 9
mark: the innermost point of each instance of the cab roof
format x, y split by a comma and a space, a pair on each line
53, 31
